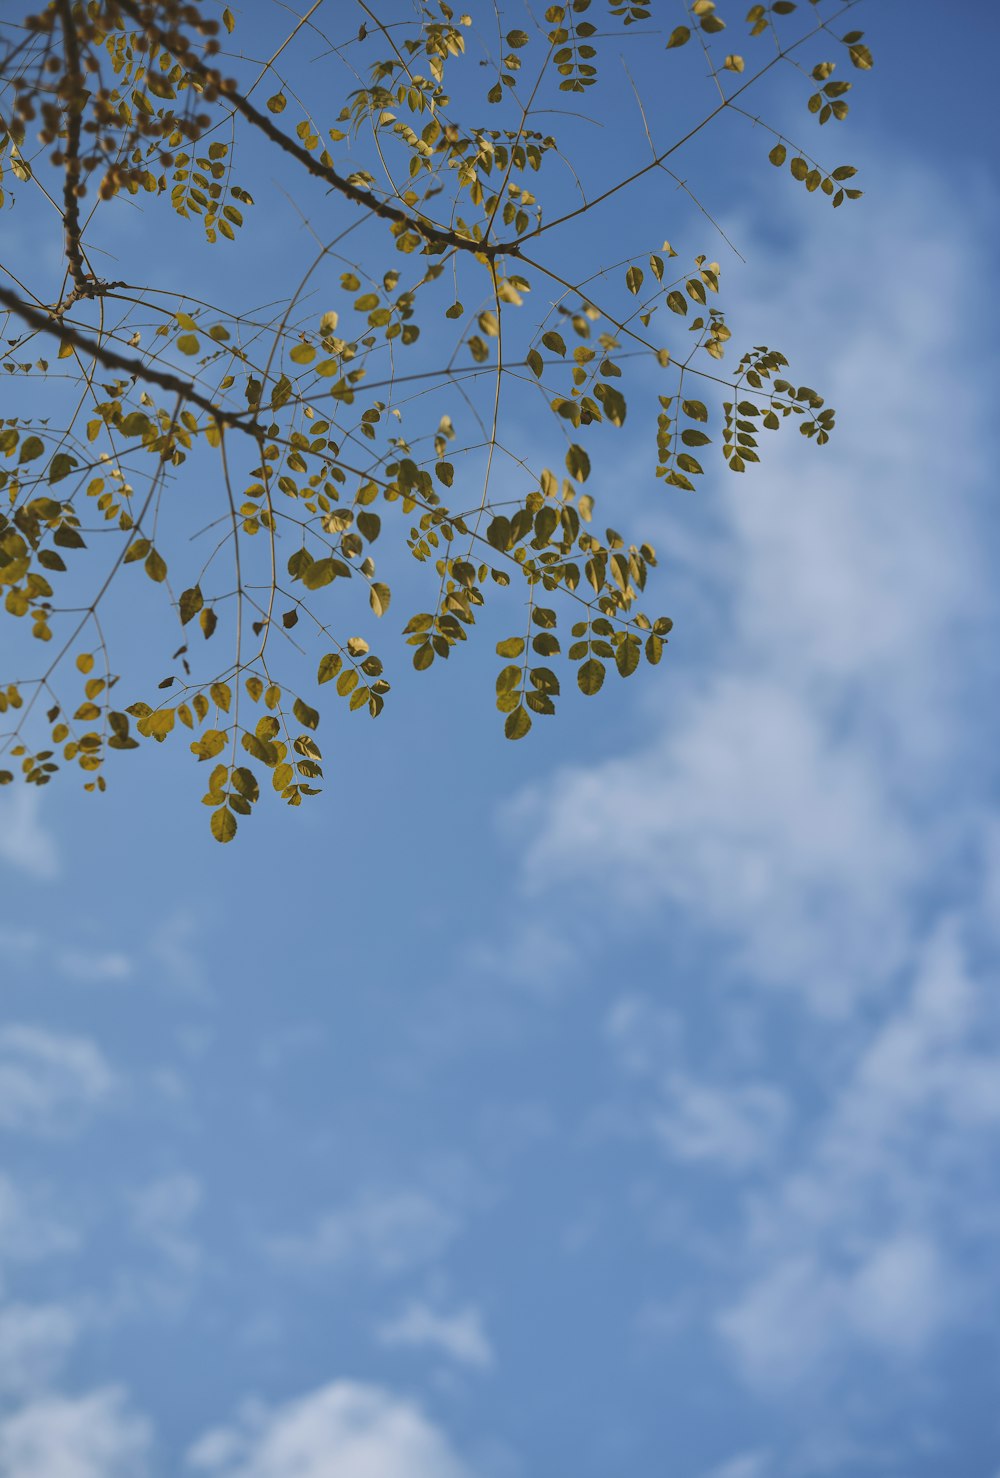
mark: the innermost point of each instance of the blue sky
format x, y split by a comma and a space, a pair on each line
623, 1100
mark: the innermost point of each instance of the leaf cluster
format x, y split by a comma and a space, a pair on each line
361, 450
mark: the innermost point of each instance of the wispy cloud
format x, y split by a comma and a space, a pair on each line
92, 1436
744, 1465
879, 1233
173, 947
344, 1427
733, 1122
28, 1228
94, 966
459, 1335
34, 1342
784, 806
163, 1213
734, 1125
25, 843
804, 813
755, 820
383, 1232
34, 955
49, 1081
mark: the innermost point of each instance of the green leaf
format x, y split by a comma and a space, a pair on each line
678, 36
512, 647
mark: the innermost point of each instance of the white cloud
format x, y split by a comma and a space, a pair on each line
736, 1124
804, 1313
162, 1213
24, 842
459, 1335
863, 1241
758, 822
343, 1428
385, 1232
49, 1080
92, 1436
34, 1342
813, 791
783, 804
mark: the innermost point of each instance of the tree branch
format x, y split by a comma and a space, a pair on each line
438, 235
71, 155
47, 323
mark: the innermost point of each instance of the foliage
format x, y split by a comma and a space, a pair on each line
404, 409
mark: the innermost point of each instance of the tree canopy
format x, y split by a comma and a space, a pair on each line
235, 492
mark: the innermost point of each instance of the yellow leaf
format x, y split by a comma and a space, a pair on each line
223, 824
